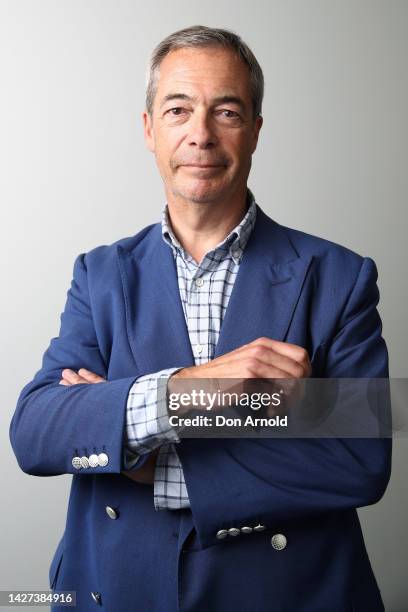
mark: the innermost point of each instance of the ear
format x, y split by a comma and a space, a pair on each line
257, 128
148, 131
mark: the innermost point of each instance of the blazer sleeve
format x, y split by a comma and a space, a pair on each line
53, 423
236, 482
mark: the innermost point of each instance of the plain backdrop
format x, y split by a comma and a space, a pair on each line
75, 173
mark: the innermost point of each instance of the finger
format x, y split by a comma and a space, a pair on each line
90, 376
64, 382
290, 367
293, 351
264, 355
261, 367
72, 377
270, 371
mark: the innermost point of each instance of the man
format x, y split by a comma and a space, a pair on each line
217, 290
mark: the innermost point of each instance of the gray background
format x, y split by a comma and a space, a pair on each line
75, 173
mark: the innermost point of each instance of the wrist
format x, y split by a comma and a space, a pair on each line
175, 388
182, 373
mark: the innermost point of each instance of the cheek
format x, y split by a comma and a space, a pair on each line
163, 157
238, 144
167, 145
245, 151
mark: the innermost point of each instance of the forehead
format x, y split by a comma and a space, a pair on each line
205, 70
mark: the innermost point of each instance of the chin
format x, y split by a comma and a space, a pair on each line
202, 194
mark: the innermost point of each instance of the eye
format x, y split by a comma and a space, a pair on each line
231, 114
175, 111
229, 117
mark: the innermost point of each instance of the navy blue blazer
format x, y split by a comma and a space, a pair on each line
123, 318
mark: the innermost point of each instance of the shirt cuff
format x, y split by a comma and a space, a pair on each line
147, 418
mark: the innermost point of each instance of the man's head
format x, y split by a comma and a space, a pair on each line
203, 113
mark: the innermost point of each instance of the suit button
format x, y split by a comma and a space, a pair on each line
93, 460
84, 462
259, 527
111, 512
246, 529
96, 597
76, 462
221, 534
234, 531
103, 459
279, 541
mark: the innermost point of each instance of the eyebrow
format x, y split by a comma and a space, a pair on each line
219, 100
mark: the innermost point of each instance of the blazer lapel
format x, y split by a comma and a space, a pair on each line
156, 325
266, 290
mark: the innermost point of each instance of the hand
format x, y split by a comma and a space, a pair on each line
144, 474
263, 358
69, 377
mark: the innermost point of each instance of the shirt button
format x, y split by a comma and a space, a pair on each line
199, 282
199, 348
237, 253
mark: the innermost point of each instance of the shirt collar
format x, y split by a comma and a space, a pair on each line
234, 243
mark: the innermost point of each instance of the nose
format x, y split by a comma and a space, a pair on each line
201, 133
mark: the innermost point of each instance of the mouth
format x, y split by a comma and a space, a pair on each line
204, 166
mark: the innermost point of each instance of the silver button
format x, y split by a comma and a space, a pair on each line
199, 348
103, 459
279, 541
96, 597
84, 462
199, 282
237, 253
221, 534
111, 512
76, 462
93, 460
246, 529
259, 527
233, 531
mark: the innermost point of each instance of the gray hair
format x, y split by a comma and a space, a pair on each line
203, 36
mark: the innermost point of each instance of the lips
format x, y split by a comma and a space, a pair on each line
204, 165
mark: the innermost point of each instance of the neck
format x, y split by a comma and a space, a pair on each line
200, 227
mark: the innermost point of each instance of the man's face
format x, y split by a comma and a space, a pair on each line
202, 131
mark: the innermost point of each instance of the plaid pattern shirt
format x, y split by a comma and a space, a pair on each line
205, 289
